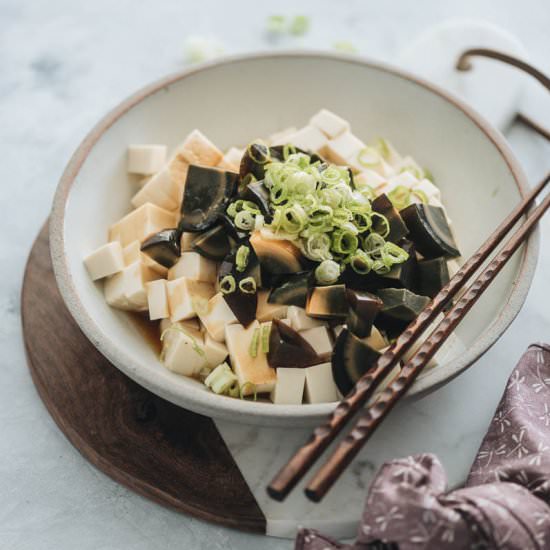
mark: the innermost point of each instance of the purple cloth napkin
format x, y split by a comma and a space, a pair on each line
505, 504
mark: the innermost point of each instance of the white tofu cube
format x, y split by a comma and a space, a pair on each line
329, 123
157, 300
127, 290
183, 354
266, 311
281, 138
105, 260
187, 240
188, 327
319, 339
408, 164
289, 388
426, 187
159, 190
247, 368
300, 320
193, 266
406, 179
232, 159
198, 149
320, 386
185, 297
141, 223
368, 178
369, 159
216, 317
309, 139
216, 352
343, 148
146, 159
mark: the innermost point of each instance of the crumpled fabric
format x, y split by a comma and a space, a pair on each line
505, 503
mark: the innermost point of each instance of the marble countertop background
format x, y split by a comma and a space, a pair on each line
63, 63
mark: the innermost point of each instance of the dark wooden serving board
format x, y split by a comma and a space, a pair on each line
165, 453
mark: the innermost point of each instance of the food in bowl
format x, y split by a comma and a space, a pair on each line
282, 269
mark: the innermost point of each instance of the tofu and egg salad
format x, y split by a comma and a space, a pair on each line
285, 268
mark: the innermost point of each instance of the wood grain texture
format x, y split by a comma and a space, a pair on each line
165, 453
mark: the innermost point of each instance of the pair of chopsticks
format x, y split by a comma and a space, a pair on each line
371, 417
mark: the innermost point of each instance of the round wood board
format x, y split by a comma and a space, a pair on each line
161, 451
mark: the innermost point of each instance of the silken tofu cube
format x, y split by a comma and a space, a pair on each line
232, 159
127, 290
309, 139
254, 370
198, 149
141, 223
185, 295
329, 123
426, 187
343, 148
289, 388
281, 138
216, 316
319, 339
146, 159
194, 266
161, 190
184, 353
157, 300
105, 260
215, 352
320, 386
368, 178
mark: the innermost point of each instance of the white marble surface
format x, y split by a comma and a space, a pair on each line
63, 63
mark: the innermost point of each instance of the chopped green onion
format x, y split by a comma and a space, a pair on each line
380, 268
265, 331
241, 258
414, 170
196, 348
288, 149
299, 25
344, 242
384, 221
253, 348
223, 381
361, 262
248, 285
428, 174
400, 197
244, 220
393, 254
264, 150
241, 205
368, 156
327, 272
228, 284
383, 148
243, 389
276, 24
421, 195
344, 46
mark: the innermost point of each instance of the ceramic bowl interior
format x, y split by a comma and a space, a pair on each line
237, 100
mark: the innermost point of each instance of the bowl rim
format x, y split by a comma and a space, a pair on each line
256, 412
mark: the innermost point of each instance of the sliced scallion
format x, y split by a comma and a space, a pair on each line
241, 258
248, 285
327, 272
228, 284
254, 343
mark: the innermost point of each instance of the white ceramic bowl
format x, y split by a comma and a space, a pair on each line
236, 100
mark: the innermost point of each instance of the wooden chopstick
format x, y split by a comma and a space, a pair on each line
323, 435
371, 418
